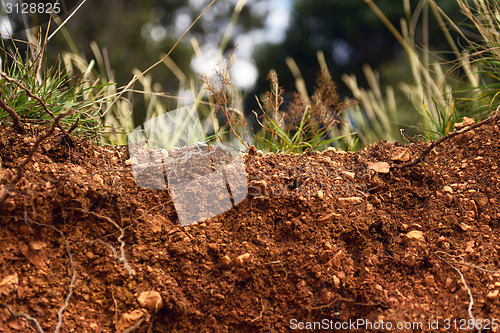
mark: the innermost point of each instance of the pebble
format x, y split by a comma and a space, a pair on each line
320, 195
150, 300
429, 280
349, 175
129, 319
465, 122
225, 262
329, 217
400, 154
379, 167
326, 296
415, 234
242, 259
9, 284
493, 296
131, 161
448, 189
336, 281
345, 202
37, 245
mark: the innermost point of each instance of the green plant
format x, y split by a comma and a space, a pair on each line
306, 123
39, 92
438, 92
482, 52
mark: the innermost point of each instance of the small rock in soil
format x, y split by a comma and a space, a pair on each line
129, 319
400, 154
345, 202
415, 234
9, 284
37, 245
349, 175
242, 259
379, 167
465, 122
225, 262
150, 300
493, 296
320, 194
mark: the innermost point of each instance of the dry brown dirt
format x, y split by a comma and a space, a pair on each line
320, 241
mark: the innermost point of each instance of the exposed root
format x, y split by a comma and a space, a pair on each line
23, 315
422, 155
134, 327
73, 274
20, 169
469, 292
120, 257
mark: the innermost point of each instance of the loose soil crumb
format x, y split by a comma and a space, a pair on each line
325, 237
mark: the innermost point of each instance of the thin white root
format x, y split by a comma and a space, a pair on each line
120, 257
25, 316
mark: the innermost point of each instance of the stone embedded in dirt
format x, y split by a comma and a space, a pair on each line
132, 161
17, 325
9, 284
336, 261
349, 175
37, 245
156, 222
379, 167
34, 258
465, 122
336, 281
464, 226
400, 154
448, 189
325, 255
326, 296
258, 187
346, 202
470, 246
150, 300
242, 259
376, 184
429, 280
329, 217
493, 296
415, 234
448, 282
98, 178
225, 261
127, 320
471, 204
320, 195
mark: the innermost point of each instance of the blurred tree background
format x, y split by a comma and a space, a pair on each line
137, 34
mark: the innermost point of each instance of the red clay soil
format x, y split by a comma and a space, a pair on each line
322, 241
